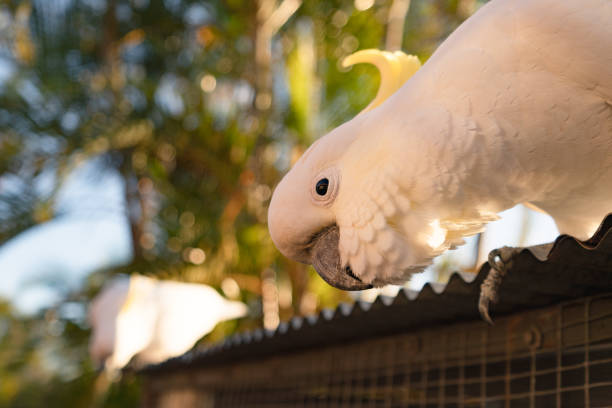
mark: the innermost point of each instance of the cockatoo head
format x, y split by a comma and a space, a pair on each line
302, 215
305, 217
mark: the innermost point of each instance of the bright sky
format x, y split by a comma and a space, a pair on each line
40, 266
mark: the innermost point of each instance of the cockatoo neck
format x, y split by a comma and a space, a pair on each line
449, 157
411, 188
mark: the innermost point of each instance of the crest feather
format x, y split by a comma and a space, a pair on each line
395, 68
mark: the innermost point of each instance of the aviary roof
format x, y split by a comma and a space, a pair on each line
540, 275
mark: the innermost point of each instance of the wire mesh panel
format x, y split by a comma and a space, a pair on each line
555, 357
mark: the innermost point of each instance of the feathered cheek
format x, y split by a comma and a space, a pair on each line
377, 253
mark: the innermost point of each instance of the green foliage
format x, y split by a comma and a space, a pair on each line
169, 95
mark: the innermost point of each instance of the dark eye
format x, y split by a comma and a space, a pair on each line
322, 186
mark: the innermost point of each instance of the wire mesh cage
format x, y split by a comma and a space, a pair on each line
558, 356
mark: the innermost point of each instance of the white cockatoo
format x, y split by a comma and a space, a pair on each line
514, 107
153, 320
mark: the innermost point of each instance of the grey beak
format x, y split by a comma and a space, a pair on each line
326, 260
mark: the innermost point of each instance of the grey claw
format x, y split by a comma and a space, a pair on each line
500, 260
493, 259
483, 308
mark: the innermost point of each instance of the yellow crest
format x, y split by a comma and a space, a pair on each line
395, 68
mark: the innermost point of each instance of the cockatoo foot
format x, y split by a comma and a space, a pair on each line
500, 261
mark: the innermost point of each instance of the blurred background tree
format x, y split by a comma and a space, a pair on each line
198, 108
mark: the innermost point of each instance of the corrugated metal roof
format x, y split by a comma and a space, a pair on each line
540, 275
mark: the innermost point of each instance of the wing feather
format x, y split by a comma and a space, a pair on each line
385, 238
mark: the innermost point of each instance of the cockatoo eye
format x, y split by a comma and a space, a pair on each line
321, 187
325, 186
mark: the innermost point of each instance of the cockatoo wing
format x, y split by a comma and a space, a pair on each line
382, 232
187, 312
376, 227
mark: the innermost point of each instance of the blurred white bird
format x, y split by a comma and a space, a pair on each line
153, 320
514, 107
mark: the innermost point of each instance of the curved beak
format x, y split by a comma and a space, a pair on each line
325, 258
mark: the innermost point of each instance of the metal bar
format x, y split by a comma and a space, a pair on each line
532, 378
587, 308
483, 367
442, 377
424, 382
508, 371
461, 380
558, 356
